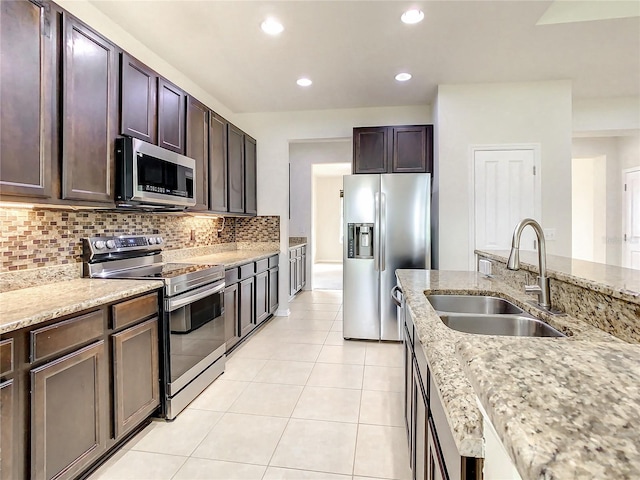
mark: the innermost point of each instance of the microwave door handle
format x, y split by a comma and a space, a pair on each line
172, 304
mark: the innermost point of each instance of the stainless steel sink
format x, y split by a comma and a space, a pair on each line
511, 325
472, 304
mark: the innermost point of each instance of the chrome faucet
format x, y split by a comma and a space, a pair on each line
542, 288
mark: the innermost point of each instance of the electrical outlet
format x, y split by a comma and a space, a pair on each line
549, 234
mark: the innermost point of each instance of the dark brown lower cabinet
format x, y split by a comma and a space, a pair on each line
435, 465
262, 297
246, 319
420, 425
136, 375
274, 282
231, 318
7, 416
408, 392
69, 413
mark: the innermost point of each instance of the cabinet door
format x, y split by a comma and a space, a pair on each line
298, 273
408, 391
420, 426
370, 150
27, 98
218, 197
436, 468
197, 147
69, 413
247, 297
262, 297
235, 145
7, 416
303, 266
274, 277
90, 106
409, 149
231, 318
138, 109
250, 178
136, 375
171, 116
293, 273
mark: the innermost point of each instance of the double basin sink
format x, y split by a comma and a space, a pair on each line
488, 315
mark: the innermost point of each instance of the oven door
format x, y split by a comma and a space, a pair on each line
196, 338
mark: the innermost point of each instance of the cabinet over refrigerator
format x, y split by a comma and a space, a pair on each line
386, 227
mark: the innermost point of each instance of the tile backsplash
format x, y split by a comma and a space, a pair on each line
44, 238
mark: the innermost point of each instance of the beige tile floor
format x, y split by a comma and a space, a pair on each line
296, 401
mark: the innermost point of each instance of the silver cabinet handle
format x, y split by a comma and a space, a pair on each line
394, 298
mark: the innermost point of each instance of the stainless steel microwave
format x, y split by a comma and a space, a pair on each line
148, 176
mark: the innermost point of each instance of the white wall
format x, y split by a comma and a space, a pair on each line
629, 151
326, 218
593, 116
301, 157
274, 132
507, 113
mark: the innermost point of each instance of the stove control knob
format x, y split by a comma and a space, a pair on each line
158, 240
111, 244
99, 244
152, 240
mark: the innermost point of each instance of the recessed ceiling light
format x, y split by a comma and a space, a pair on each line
403, 77
304, 82
271, 26
412, 16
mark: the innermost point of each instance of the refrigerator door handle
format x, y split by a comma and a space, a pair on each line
383, 232
376, 233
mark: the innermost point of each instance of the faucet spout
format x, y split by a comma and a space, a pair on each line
542, 289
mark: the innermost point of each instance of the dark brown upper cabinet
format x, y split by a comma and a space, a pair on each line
250, 176
370, 150
218, 164
139, 100
235, 156
412, 149
90, 113
171, 116
394, 149
197, 147
28, 33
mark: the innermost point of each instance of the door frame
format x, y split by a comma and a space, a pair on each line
625, 171
537, 186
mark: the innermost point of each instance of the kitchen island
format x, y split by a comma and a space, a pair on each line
562, 407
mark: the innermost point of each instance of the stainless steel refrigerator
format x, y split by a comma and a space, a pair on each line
386, 226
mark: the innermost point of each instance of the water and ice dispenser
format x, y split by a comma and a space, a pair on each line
360, 240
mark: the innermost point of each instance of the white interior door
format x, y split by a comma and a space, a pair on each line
631, 255
504, 194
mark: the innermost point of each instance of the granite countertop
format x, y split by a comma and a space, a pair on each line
29, 306
619, 282
440, 343
231, 258
296, 244
561, 412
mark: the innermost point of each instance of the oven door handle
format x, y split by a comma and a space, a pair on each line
172, 304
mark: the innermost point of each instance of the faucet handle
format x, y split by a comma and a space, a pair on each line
532, 289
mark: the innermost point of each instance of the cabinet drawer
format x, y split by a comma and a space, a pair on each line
6, 356
262, 265
247, 270
273, 261
303, 250
61, 336
231, 276
132, 311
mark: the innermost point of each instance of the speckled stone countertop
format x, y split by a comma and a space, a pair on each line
232, 258
29, 306
296, 243
560, 412
622, 283
440, 343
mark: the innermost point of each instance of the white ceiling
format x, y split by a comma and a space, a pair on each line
353, 49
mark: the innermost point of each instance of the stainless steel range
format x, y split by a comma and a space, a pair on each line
192, 328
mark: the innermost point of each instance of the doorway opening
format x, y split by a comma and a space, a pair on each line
326, 224
589, 208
